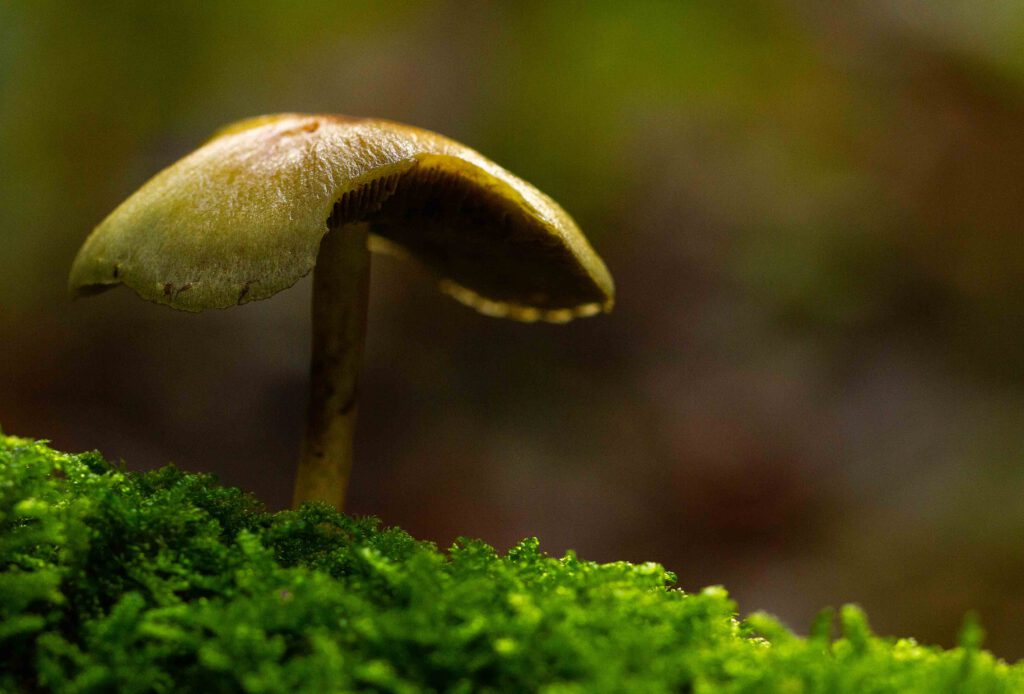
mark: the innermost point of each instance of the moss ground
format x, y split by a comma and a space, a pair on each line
167, 581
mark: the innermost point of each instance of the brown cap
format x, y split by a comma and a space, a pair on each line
241, 218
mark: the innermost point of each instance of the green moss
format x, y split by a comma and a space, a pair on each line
166, 581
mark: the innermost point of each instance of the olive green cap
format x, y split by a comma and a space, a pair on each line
241, 219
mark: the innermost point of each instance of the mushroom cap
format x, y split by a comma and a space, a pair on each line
241, 218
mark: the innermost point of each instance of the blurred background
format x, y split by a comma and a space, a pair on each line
811, 389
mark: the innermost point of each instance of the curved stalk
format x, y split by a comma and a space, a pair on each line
340, 291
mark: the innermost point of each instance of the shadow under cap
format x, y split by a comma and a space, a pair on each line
242, 218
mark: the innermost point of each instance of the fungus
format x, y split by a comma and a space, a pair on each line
270, 199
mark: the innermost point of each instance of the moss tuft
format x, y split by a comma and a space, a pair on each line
166, 581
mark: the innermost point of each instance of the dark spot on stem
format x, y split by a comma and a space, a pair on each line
348, 405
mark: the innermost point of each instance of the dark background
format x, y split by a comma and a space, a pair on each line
811, 389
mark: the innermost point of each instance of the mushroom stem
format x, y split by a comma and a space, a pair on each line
340, 290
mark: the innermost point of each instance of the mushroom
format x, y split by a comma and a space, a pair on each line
269, 199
